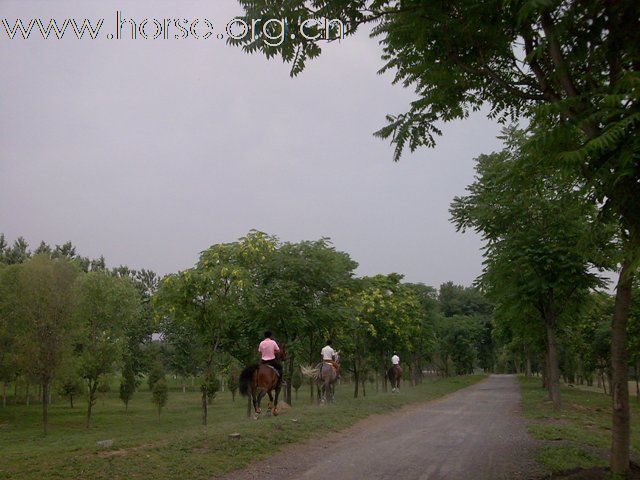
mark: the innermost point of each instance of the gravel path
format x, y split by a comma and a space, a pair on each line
476, 433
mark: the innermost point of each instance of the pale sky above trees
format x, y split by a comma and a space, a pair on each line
149, 151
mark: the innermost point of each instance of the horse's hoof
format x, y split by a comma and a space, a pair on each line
258, 411
275, 412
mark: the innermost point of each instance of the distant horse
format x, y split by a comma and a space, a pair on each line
325, 374
395, 375
260, 380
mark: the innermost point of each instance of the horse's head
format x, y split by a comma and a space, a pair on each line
336, 356
283, 352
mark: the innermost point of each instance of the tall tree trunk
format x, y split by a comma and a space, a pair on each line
45, 405
620, 432
289, 376
637, 382
27, 399
93, 386
527, 372
356, 377
554, 373
203, 407
552, 352
384, 373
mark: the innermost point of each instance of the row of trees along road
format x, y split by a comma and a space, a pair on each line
569, 68
72, 322
64, 317
305, 292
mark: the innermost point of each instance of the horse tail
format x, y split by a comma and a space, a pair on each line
311, 372
391, 374
245, 379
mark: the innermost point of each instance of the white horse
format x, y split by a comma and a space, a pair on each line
325, 376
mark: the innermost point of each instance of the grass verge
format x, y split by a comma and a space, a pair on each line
579, 436
175, 445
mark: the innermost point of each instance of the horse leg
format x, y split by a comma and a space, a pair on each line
275, 401
254, 398
259, 399
270, 406
254, 401
326, 391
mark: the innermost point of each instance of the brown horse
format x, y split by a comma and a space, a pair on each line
261, 379
395, 375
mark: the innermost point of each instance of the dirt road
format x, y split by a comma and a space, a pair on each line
473, 434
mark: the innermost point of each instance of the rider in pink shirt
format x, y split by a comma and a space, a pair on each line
268, 349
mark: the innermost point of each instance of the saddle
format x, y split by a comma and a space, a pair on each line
333, 364
272, 368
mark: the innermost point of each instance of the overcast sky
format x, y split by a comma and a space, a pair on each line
149, 151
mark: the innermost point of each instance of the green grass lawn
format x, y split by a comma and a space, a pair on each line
176, 446
580, 434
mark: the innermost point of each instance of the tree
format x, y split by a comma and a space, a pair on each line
186, 353
455, 345
139, 330
127, 386
207, 298
41, 303
634, 335
104, 305
160, 395
9, 354
210, 386
576, 63
296, 380
18, 253
232, 383
459, 300
542, 240
298, 296
156, 373
422, 341
385, 316
70, 387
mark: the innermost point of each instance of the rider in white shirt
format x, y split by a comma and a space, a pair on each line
329, 356
328, 353
395, 360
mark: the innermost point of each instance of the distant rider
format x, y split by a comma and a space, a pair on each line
268, 349
329, 356
395, 360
